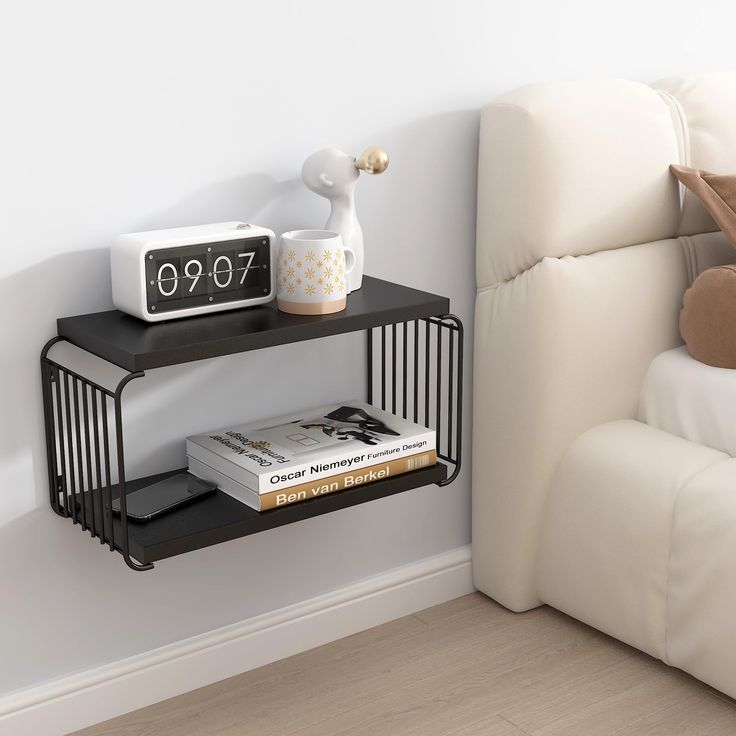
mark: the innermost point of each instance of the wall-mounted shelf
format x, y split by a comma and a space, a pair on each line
414, 354
138, 346
220, 518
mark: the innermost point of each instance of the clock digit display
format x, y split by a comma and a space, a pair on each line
207, 273
222, 272
195, 276
248, 263
168, 286
168, 283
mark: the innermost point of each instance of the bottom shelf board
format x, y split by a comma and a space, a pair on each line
219, 518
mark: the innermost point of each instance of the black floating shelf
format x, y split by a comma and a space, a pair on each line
414, 369
137, 346
220, 518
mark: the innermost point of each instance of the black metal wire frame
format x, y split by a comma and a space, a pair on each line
417, 366
415, 369
80, 449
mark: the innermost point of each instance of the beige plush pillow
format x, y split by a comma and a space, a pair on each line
716, 192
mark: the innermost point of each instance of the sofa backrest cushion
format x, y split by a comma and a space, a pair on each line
573, 168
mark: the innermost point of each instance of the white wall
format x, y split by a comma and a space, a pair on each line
134, 115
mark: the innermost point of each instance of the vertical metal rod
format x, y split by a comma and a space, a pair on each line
125, 541
405, 367
426, 375
369, 343
383, 367
455, 394
393, 369
88, 455
438, 408
50, 430
106, 448
97, 493
121, 474
70, 449
62, 450
80, 459
460, 370
450, 386
416, 371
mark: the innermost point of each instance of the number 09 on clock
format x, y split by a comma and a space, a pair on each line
186, 271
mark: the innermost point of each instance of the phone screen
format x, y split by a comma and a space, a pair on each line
163, 496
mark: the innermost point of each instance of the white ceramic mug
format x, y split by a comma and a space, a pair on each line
311, 273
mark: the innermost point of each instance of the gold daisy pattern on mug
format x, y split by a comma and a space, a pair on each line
327, 255
298, 264
309, 273
290, 273
309, 290
290, 288
310, 256
329, 272
298, 282
291, 255
328, 288
320, 281
320, 264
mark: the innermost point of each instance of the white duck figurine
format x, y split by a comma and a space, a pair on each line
332, 174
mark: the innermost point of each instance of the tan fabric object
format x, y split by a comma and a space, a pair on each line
716, 192
708, 317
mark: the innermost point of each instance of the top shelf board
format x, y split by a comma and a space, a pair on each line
137, 346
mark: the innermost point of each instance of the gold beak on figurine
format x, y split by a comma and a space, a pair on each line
374, 160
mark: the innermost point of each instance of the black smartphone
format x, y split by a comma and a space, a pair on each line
166, 495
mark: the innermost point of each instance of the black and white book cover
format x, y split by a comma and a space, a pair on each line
313, 444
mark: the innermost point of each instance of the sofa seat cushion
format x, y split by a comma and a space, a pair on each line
701, 596
690, 399
606, 531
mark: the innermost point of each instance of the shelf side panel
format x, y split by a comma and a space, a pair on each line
415, 370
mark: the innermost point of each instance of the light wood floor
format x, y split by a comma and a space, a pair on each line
465, 668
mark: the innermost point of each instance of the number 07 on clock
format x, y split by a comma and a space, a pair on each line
182, 272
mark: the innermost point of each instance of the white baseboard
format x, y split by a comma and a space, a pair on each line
82, 699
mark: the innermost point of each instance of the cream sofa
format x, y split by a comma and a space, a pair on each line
585, 247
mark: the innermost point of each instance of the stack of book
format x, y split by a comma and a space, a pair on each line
296, 458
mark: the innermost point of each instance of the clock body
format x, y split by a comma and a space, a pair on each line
186, 271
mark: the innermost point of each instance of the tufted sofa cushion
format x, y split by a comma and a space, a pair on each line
573, 168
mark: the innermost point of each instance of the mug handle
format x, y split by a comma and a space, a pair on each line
349, 258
